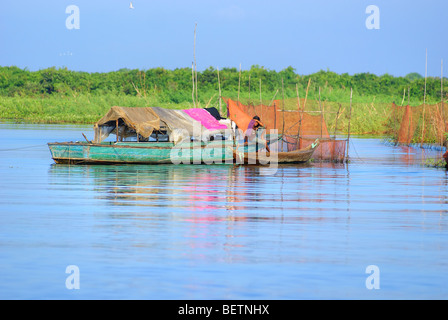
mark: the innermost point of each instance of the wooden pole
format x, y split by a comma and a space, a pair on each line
116, 128
219, 91
349, 119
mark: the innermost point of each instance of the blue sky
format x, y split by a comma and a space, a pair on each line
307, 35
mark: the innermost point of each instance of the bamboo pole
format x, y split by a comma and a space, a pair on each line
300, 116
424, 99
283, 109
306, 95
273, 98
261, 104
409, 96
349, 120
321, 115
404, 95
192, 77
410, 120
195, 65
209, 101
441, 95
275, 116
336, 122
239, 85
219, 91
249, 89
298, 97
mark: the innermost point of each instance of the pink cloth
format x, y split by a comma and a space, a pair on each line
205, 118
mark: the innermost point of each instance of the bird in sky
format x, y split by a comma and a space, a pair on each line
131, 6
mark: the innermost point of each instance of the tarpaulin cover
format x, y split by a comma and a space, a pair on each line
214, 112
207, 120
142, 120
179, 120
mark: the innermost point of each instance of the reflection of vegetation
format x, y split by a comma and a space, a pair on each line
435, 162
60, 95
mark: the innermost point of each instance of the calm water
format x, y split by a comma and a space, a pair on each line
219, 232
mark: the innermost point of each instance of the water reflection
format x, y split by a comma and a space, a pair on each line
417, 156
217, 189
219, 232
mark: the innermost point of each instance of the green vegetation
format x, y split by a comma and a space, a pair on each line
59, 95
435, 163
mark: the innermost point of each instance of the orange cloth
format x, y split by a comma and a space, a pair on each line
237, 115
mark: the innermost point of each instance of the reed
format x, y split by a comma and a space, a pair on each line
88, 108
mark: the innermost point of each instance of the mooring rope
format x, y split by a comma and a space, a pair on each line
21, 148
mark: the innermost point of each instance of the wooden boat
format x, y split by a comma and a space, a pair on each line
145, 126
142, 152
263, 157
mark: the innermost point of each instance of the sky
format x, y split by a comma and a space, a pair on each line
307, 35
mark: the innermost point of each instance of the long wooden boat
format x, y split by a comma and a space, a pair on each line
142, 124
263, 157
142, 152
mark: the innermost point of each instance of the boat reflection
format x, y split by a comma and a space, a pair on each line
215, 189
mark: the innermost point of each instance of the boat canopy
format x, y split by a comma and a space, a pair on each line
206, 119
179, 120
130, 121
142, 121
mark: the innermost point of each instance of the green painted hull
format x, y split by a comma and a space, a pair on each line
142, 152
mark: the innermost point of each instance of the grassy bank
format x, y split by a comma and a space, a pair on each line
369, 113
367, 117
63, 96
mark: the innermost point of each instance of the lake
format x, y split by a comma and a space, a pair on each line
220, 231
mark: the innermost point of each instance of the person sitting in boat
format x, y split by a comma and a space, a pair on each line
252, 130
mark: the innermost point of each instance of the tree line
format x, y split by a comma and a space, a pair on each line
175, 86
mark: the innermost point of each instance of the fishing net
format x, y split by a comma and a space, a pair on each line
424, 124
297, 129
